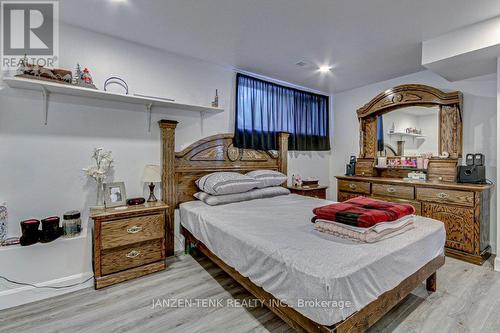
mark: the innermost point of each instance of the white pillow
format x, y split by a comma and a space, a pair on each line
268, 178
219, 183
258, 193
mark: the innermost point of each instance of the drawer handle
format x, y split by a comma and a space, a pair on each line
352, 186
135, 229
391, 189
442, 195
132, 254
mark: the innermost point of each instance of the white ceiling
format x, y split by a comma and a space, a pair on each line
365, 40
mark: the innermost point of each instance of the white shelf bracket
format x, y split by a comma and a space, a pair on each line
148, 110
45, 95
202, 118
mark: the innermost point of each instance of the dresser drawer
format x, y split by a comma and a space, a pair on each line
396, 191
343, 196
417, 205
462, 198
131, 230
354, 186
133, 256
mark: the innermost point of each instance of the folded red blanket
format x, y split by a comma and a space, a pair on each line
363, 212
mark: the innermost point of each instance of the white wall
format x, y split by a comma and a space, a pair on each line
40, 169
480, 118
430, 128
464, 53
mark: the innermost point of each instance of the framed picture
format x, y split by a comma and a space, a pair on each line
114, 194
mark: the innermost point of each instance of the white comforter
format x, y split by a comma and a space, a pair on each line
274, 244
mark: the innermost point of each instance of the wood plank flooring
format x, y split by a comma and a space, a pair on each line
467, 300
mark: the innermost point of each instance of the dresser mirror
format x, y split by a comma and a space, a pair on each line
405, 126
410, 131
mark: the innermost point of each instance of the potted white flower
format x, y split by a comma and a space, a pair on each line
99, 171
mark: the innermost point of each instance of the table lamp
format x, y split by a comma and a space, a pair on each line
151, 175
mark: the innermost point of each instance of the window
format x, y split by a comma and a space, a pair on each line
264, 108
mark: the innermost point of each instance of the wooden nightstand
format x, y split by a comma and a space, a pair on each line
309, 191
128, 242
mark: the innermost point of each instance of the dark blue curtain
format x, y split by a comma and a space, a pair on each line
380, 133
264, 108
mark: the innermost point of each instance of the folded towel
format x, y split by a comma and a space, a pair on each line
379, 227
363, 212
368, 235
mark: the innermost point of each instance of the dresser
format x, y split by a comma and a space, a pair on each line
128, 242
463, 208
309, 191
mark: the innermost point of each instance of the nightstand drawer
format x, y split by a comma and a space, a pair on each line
397, 191
131, 230
354, 186
133, 256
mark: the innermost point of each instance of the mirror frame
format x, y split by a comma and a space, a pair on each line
450, 116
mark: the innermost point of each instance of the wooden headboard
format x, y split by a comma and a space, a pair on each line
181, 169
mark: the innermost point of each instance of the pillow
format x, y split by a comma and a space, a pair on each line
218, 183
268, 178
258, 193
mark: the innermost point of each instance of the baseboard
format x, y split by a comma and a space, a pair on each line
497, 264
20, 295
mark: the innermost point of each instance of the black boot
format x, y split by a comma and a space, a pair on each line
30, 231
50, 229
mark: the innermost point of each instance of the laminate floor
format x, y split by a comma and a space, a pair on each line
467, 300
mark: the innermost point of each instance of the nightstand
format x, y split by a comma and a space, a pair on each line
128, 242
309, 191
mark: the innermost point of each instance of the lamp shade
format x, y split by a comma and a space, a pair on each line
151, 174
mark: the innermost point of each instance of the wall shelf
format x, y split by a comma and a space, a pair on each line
411, 135
46, 88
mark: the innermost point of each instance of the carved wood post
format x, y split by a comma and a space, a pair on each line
450, 130
361, 138
283, 152
169, 195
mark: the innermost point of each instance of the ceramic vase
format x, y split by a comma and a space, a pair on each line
100, 194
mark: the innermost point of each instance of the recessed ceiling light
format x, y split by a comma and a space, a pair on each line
324, 69
119, 1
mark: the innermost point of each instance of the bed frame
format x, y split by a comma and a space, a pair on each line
217, 153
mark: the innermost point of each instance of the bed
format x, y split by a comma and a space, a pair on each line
270, 247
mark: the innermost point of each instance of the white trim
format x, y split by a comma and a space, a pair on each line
497, 264
26, 294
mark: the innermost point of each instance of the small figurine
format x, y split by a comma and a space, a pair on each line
86, 76
22, 66
67, 78
297, 180
215, 103
83, 78
78, 74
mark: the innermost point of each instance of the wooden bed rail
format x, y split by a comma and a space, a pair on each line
358, 322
